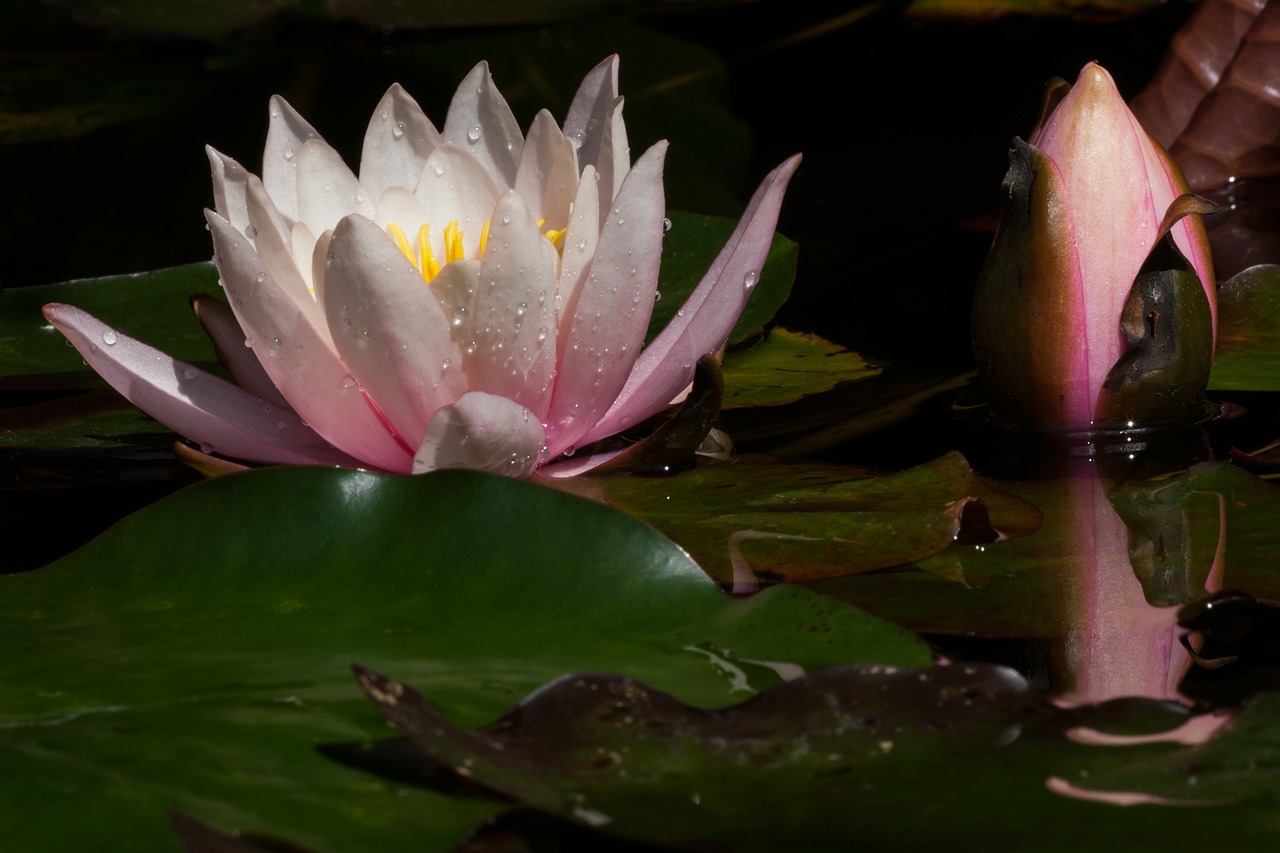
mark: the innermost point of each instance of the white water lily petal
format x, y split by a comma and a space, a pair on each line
514, 318
286, 134
588, 113
220, 324
311, 264
397, 143
275, 247
400, 207
608, 323
483, 432
481, 123
389, 328
579, 248
327, 189
455, 187
299, 358
219, 416
229, 180
614, 159
455, 291
548, 173
666, 365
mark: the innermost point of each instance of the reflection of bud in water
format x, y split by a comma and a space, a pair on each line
1096, 305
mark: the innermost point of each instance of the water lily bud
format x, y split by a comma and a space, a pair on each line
1096, 307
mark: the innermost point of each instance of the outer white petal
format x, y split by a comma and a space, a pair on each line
389, 328
483, 432
327, 189
579, 247
202, 407
666, 365
299, 359
286, 134
455, 290
275, 245
548, 174
614, 159
513, 313
456, 188
607, 326
588, 113
229, 180
481, 122
397, 143
222, 327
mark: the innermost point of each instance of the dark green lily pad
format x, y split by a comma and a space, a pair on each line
756, 520
786, 366
961, 757
1248, 352
194, 656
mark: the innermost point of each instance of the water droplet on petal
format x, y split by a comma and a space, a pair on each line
251, 231
288, 153
657, 295
444, 365
506, 219
398, 130
473, 133
577, 139
109, 337
749, 280
666, 225
542, 334
248, 343
582, 245
439, 169
190, 373
348, 381
206, 447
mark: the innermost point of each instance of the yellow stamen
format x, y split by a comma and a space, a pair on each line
453, 250
402, 242
430, 268
424, 260
484, 237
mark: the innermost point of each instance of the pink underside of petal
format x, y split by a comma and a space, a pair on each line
483, 432
397, 143
389, 328
1092, 138
606, 329
220, 324
275, 244
299, 357
572, 466
1193, 732
666, 365
202, 407
478, 106
579, 248
1064, 788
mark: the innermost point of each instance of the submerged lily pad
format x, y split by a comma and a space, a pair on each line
757, 520
786, 366
959, 757
194, 656
1248, 352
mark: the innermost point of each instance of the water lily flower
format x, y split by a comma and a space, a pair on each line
1097, 305
474, 297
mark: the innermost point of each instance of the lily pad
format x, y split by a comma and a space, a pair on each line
1248, 351
786, 366
960, 757
194, 656
759, 521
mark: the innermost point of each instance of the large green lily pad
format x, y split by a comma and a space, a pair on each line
1248, 352
194, 656
759, 521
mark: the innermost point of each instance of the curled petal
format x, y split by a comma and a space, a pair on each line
483, 432
389, 329
229, 180
481, 123
285, 137
209, 410
397, 144
666, 365
299, 357
606, 328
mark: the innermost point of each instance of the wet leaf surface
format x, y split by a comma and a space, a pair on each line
870, 756
786, 366
759, 521
1248, 353
193, 657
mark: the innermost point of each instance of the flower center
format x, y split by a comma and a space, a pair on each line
420, 254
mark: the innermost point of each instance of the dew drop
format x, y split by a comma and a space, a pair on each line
248, 343
577, 139
288, 153
439, 169
109, 337
251, 232
666, 225
582, 245
473, 133
657, 296
189, 373
280, 424
521, 309
749, 280
262, 277
398, 130
570, 450
348, 381
506, 219
206, 447
542, 334
459, 315
444, 365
